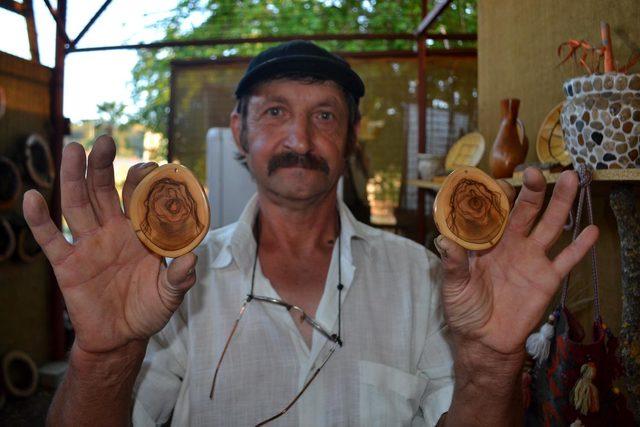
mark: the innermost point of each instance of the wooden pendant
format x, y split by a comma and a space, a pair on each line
10, 183
170, 211
471, 209
39, 161
7, 240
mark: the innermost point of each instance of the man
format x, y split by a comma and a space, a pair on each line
376, 352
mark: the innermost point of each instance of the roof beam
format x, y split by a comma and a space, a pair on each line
431, 17
91, 22
274, 39
13, 6
56, 17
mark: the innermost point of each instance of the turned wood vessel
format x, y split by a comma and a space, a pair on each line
169, 211
471, 209
511, 144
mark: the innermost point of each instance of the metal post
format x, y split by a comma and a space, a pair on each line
57, 118
421, 94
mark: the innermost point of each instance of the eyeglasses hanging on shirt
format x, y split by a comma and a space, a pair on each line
336, 339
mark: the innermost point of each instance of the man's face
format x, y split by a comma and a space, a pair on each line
295, 138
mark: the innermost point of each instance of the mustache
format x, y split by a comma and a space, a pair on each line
306, 161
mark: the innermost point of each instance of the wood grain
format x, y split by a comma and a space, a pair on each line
471, 209
170, 211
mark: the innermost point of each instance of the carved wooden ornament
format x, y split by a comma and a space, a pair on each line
471, 209
170, 211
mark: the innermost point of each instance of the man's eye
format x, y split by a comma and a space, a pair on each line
274, 111
325, 115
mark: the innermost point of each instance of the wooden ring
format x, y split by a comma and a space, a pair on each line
19, 374
170, 211
471, 209
7, 240
27, 248
39, 161
10, 183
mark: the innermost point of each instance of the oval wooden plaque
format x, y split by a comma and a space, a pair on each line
471, 209
170, 211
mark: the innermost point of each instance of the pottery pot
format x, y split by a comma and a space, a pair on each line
601, 120
511, 145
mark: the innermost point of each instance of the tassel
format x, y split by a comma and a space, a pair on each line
584, 394
539, 344
526, 389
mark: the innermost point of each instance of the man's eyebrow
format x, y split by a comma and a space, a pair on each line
273, 98
331, 101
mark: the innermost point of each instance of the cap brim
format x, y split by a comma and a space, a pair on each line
310, 65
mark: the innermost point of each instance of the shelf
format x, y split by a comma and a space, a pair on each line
598, 175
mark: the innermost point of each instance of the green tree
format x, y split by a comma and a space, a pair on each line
255, 18
111, 115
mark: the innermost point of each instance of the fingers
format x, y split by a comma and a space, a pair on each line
555, 216
50, 239
134, 176
572, 254
177, 280
528, 203
508, 190
100, 180
76, 205
455, 260
181, 271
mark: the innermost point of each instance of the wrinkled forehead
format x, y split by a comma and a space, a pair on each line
296, 92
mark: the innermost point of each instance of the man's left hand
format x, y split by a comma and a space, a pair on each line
494, 298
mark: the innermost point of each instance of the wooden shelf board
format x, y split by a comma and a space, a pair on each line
599, 175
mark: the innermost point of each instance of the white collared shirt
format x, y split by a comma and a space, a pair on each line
395, 367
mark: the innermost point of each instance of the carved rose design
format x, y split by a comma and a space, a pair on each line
171, 220
475, 214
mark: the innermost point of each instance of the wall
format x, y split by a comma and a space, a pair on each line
517, 42
24, 287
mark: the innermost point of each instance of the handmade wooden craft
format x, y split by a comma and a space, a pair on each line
471, 209
170, 211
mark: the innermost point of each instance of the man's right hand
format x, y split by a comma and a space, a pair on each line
115, 289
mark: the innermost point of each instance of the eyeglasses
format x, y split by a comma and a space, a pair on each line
332, 337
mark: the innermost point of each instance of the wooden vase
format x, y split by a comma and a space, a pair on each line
510, 146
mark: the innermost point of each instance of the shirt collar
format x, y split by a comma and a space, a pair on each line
239, 245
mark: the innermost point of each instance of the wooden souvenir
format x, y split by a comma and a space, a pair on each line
7, 240
39, 161
550, 146
19, 374
511, 144
10, 183
467, 151
471, 209
27, 249
170, 211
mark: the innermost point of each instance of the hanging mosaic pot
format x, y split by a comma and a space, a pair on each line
601, 120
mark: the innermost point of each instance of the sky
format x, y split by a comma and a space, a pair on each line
92, 77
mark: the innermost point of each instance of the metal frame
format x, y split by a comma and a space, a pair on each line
65, 45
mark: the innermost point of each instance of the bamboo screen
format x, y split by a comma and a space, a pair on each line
202, 98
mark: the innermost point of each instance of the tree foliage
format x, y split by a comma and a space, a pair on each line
255, 18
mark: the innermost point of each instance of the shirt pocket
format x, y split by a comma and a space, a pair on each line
388, 396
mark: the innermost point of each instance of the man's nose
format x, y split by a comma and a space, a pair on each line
299, 139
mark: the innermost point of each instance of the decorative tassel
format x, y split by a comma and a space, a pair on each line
584, 394
539, 344
526, 389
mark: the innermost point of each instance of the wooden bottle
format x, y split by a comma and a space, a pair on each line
509, 148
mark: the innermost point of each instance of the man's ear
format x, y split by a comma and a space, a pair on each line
235, 121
